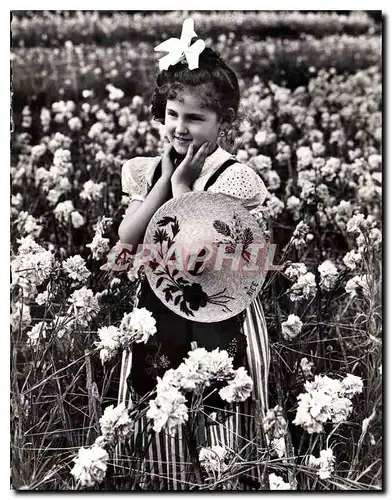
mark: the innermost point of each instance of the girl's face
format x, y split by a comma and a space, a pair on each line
186, 122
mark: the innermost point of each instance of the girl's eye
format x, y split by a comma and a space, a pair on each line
192, 118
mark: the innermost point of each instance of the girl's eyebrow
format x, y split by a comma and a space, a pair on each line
187, 114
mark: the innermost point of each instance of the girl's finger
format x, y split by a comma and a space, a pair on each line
189, 153
203, 151
168, 149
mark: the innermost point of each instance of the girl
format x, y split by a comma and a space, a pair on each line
197, 108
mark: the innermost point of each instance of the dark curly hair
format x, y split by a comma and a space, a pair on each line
214, 81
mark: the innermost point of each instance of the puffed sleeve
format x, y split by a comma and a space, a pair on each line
241, 182
134, 179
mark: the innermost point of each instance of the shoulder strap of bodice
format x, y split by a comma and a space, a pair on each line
220, 170
210, 181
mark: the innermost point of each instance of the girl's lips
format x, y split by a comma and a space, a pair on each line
182, 140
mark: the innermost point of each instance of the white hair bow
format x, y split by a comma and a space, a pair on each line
180, 48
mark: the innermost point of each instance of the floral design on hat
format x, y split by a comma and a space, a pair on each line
189, 296
237, 237
205, 256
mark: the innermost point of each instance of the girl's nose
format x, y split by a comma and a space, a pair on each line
181, 127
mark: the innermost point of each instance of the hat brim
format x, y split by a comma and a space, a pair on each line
208, 256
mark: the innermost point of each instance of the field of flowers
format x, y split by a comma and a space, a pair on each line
312, 129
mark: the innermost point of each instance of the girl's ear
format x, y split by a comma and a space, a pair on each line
228, 117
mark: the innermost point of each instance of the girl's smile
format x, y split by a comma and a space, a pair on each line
186, 122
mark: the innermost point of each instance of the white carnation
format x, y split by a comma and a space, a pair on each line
76, 269
277, 483
292, 327
90, 466
238, 389
137, 326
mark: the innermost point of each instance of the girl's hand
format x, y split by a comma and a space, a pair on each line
167, 162
189, 169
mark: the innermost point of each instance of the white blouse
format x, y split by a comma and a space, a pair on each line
238, 180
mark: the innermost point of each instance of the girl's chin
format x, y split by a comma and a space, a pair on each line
181, 148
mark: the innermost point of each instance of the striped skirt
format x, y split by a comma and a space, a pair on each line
166, 462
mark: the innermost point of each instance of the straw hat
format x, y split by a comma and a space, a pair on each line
205, 256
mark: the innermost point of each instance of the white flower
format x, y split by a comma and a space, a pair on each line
114, 93
261, 137
293, 203
38, 151
109, 342
351, 385
324, 464
304, 157
17, 201
75, 123
358, 282
261, 164
87, 93
171, 380
99, 246
77, 220
103, 225
294, 271
375, 161
27, 224
76, 268
38, 331
279, 446
328, 274
306, 367
292, 327
31, 267
238, 389
90, 466
321, 402
220, 364
274, 205
63, 325
194, 371
341, 408
242, 155
277, 483
137, 326
303, 288
63, 211
356, 223
352, 258
212, 458
274, 424
92, 191
168, 410
375, 236
137, 101
300, 233
20, 317
84, 305
115, 423
95, 131
273, 180
62, 157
